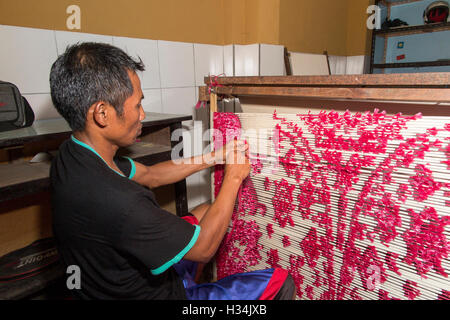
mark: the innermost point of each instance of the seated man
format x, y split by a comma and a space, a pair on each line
105, 217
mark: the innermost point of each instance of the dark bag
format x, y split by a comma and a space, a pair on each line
29, 269
15, 111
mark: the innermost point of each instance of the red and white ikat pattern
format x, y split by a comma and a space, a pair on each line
361, 232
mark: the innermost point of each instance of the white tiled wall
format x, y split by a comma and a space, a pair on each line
152, 100
338, 64
179, 100
305, 64
348, 65
272, 60
356, 64
176, 61
147, 51
199, 184
174, 71
66, 38
26, 57
45, 109
246, 60
228, 60
208, 60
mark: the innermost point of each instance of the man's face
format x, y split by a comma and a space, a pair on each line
128, 127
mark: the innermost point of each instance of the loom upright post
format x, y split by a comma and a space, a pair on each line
213, 108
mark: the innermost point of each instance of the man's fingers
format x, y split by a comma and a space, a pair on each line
236, 151
241, 145
237, 157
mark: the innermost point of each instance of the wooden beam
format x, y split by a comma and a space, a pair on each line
431, 79
395, 94
203, 94
413, 64
213, 102
287, 62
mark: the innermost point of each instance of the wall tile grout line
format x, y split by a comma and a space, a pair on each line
56, 43
193, 58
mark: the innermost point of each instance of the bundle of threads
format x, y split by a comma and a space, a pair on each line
354, 206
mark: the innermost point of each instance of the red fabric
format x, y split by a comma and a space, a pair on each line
190, 219
278, 278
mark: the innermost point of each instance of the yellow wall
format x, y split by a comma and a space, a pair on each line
337, 26
262, 23
358, 36
313, 26
234, 22
198, 21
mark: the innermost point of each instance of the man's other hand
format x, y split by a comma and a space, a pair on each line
235, 145
237, 165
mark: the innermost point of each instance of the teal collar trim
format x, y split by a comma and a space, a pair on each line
133, 168
92, 149
180, 255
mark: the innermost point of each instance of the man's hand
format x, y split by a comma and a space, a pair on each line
217, 218
235, 145
237, 164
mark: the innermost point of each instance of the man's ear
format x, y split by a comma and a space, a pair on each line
100, 113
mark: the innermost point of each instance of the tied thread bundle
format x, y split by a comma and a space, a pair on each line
354, 206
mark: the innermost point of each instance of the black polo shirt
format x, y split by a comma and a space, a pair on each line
113, 229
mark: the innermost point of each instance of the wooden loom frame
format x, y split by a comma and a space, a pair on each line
415, 89
412, 87
428, 92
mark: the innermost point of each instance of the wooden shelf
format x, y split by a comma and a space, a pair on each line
401, 31
58, 128
147, 153
141, 150
380, 51
19, 179
424, 80
397, 2
412, 64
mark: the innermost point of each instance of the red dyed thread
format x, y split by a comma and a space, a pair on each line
423, 184
391, 259
444, 295
403, 192
267, 184
410, 290
335, 133
371, 263
286, 241
232, 259
309, 292
295, 265
383, 295
426, 242
283, 203
273, 258
310, 247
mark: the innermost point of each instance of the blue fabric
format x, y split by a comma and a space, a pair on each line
187, 270
240, 286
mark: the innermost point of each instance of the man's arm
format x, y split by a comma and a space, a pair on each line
215, 222
169, 172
